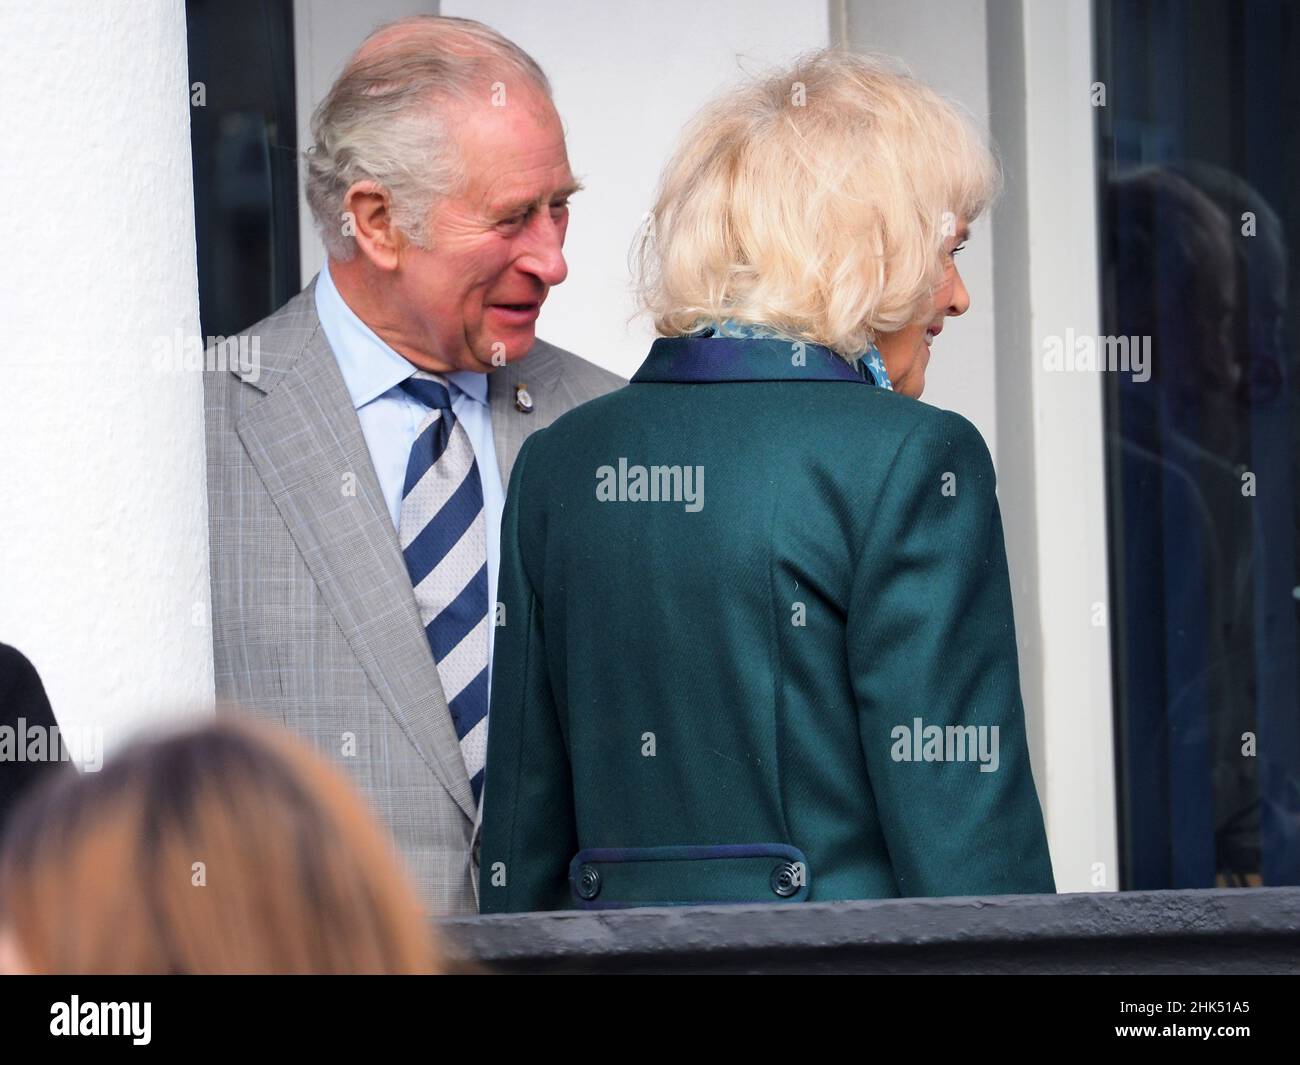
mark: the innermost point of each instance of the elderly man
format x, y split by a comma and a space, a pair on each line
356, 472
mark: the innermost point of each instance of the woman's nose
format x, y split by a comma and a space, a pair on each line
960, 301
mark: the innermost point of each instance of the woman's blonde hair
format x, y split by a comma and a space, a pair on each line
816, 201
230, 849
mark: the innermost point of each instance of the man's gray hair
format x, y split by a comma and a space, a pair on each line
382, 120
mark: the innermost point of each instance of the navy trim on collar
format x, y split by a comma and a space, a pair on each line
718, 359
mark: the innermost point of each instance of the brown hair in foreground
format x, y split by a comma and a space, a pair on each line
99, 872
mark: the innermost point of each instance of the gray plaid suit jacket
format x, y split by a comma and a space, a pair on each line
315, 625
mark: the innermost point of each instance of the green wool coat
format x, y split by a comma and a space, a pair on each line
754, 643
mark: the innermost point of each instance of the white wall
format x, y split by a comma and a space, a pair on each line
103, 515
627, 76
1060, 421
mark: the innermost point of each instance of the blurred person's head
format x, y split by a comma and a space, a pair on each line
439, 181
825, 201
1173, 281
228, 849
1259, 253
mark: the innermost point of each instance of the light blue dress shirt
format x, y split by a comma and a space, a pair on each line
372, 372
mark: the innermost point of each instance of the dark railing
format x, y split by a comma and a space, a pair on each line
1255, 930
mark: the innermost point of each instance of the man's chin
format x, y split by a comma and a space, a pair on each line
504, 348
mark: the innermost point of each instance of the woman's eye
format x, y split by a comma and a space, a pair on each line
960, 247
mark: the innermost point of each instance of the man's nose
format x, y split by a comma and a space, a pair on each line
960, 302
544, 255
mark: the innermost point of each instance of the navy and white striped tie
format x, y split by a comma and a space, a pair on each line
444, 539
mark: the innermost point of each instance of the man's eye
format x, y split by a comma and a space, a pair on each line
562, 205
519, 218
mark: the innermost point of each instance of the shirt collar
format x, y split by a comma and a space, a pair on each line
368, 365
474, 385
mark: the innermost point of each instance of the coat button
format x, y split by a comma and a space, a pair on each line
588, 881
786, 879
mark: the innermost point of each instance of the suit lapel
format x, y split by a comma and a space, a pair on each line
306, 442
540, 372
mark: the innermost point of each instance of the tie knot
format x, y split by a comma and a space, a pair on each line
428, 389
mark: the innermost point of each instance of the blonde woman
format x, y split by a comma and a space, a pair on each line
230, 849
759, 642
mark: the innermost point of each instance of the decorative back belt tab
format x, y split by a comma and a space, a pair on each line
609, 878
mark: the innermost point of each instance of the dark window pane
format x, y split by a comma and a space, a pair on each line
1200, 155
245, 146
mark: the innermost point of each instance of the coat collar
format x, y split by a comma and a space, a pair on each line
713, 359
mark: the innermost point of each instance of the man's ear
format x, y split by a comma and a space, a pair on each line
368, 213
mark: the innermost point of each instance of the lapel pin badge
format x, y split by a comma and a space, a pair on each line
523, 399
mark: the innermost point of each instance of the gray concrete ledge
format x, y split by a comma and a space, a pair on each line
1197, 932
